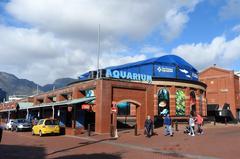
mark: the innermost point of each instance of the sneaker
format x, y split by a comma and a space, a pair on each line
193, 135
189, 133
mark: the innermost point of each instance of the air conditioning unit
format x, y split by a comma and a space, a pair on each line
102, 73
92, 74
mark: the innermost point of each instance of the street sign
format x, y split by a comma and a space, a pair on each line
86, 106
114, 109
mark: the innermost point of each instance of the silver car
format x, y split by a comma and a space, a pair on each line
21, 125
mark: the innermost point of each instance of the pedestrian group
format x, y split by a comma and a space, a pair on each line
167, 122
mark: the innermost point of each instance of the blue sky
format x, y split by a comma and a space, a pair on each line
63, 42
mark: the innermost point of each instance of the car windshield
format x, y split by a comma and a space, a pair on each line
51, 122
21, 121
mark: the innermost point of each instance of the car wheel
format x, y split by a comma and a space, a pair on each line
40, 133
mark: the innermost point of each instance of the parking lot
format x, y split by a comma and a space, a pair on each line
220, 141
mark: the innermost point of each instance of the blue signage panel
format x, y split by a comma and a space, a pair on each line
164, 71
146, 69
187, 74
119, 74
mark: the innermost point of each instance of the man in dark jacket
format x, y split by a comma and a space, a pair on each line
148, 126
168, 128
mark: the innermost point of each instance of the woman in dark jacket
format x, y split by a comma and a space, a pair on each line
148, 126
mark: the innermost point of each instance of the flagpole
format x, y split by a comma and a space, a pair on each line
98, 51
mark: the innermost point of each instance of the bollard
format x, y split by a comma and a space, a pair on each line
176, 125
112, 133
225, 121
116, 134
89, 130
214, 122
135, 130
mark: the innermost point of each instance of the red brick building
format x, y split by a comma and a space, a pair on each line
92, 100
222, 87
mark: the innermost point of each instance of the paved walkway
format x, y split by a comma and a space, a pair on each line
221, 141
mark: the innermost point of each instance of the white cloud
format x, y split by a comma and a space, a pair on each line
236, 28
62, 38
219, 51
230, 10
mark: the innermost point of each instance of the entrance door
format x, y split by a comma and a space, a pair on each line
126, 115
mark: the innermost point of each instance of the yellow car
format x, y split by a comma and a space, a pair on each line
46, 126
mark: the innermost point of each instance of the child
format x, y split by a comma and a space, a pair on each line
191, 126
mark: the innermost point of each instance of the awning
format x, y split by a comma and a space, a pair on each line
65, 102
28, 105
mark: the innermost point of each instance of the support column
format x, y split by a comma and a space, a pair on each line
74, 117
172, 101
204, 105
53, 112
155, 100
103, 106
197, 93
187, 101
9, 114
27, 114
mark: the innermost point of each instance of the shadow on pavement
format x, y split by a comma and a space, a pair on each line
26, 152
82, 144
92, 156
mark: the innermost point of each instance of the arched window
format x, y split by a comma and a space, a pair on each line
180, 103
124, 109
163, 102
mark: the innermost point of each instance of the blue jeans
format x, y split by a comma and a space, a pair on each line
168, 130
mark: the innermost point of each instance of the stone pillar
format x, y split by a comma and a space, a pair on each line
204, 105
103, 106
187, 102
155, 100
172, 102
197, 94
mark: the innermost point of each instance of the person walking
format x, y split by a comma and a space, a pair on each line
191, 126
168, 125
148, 126
199, 122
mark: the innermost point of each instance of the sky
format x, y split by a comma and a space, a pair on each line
42, 40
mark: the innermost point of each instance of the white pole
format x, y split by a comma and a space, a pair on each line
27, 114
53, 112
98, 51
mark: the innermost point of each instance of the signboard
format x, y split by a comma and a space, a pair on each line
128, 75
165, 71
86, 106
114, 109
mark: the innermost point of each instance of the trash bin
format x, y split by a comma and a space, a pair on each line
1, 132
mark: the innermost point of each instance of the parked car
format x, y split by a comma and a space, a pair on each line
9, 124
21, 125
46, 126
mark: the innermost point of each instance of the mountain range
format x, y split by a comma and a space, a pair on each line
15, 86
